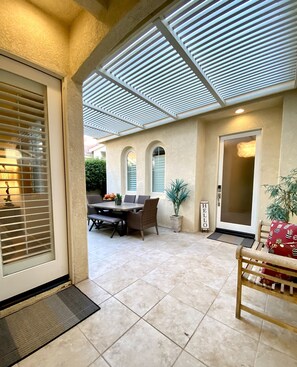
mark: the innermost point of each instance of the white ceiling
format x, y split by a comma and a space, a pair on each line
200, 56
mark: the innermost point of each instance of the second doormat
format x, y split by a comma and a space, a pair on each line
230, 238
30, 328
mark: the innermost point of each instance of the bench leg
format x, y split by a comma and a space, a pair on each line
115, 227
92, 225
239, 289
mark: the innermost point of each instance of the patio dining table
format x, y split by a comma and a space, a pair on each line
110, 205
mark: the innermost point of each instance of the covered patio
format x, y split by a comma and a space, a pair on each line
169, 301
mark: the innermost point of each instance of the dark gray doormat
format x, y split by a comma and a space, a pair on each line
29, 329
234, 240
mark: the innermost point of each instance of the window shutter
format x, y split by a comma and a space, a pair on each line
131, 171
25, 193
158, 170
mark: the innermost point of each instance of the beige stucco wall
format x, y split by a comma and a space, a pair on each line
179, 140
288, 158
192, 153
270, 123
31, 35
87, 31
199, 175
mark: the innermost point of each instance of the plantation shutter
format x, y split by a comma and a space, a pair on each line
131, 171
25, 193
158, 170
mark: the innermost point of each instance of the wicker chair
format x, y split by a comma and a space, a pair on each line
129, 198
144, 218
142, 198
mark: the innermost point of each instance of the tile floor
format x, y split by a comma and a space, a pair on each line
168, 301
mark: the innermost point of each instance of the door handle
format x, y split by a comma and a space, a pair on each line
219, 195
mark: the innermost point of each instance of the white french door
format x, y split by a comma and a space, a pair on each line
32, 187
238, 182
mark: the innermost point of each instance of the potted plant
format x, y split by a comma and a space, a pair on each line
118, 199
177, 193
284, 198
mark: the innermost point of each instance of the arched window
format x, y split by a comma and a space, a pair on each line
158, 169
131, 171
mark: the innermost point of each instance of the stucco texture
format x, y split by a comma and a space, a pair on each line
269, 121
179, 141
192, 153
32, 35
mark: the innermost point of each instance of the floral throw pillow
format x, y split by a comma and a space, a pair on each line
282, 240
281, 232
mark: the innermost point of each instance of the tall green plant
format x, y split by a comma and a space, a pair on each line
177, 193
95, 175
283, 197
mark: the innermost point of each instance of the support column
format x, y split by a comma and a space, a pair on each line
75, 181
288, 149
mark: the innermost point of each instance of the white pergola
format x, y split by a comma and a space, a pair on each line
199, 56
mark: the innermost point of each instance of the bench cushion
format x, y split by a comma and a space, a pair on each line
104, 218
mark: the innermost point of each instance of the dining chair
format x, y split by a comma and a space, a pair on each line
144, 218
129, 198
142, 198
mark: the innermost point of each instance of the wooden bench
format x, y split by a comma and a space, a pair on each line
98, 220
250, 265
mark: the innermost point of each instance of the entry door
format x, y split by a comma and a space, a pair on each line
32, 188
237, 189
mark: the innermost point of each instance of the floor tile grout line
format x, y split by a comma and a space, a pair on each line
219, 292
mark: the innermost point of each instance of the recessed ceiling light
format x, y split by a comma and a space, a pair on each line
240, 110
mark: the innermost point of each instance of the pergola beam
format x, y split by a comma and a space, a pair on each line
188, 58
107, 75
111, 114
99, 128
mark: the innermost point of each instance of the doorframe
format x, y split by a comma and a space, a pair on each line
256, 182
62, 269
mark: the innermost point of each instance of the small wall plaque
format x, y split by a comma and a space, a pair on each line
204, 216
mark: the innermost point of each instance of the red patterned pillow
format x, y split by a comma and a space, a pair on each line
284, 249
282, 240
281, 233
273, 274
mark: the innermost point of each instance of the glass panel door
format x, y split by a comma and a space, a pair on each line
25, 217
236, 195
33, 241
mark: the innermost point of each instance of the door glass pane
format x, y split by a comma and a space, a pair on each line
25, 193
238, 177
